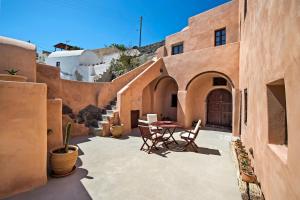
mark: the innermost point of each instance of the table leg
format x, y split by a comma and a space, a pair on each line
173, 137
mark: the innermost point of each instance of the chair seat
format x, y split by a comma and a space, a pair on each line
187, 135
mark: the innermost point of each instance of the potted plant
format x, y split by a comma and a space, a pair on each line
12, 76
247, 171
12, 71
116, 128
63, 159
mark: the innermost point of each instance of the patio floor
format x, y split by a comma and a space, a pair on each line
116, 169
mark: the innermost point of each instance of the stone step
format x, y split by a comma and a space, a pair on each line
96, 131
113, 107
107, 117
110, 112
113, 103
101, 123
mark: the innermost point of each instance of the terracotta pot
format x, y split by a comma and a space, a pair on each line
117, 131
248, 176
63, 163
8, 77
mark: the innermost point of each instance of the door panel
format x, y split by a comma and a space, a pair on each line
219, 108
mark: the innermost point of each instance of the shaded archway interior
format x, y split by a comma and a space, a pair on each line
198, 90
160, 97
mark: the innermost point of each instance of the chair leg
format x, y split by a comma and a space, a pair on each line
153, 145
187, 144
195, 147
145, 143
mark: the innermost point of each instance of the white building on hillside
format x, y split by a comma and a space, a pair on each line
85, 65
80, 65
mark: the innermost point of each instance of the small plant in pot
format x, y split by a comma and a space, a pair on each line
116, 128
12, 72
63, 159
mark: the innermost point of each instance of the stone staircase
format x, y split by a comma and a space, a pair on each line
108, 115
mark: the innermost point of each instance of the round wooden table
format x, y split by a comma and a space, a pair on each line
167, 127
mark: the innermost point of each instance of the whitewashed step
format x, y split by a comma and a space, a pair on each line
110, 112
106, 117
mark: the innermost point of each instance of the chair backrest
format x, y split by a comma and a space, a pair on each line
197, 128
145, 131
151, 118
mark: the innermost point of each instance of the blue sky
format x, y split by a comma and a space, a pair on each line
96, 23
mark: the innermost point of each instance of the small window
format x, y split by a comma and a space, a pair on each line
277, 113
220, 37
57, 64
174, 101
245, 106
245, 8
177, 49
218, 81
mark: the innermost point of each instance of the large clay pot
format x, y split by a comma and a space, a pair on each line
117, 131
8, 77
63, 163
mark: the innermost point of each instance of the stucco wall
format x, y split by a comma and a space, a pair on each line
201, 28
270, 46
18, 55
130, 97
54, 122
77, 94
23, 136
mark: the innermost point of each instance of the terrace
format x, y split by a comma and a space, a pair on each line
110, 168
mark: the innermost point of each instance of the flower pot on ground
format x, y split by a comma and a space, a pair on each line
116, 128
248, 176
63, 159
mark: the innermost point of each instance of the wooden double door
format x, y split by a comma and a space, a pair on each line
219, 108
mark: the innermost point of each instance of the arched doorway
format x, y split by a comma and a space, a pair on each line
219, 108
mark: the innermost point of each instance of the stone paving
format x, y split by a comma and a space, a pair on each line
116, 169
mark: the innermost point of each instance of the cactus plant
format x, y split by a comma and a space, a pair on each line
67, 137
12, 71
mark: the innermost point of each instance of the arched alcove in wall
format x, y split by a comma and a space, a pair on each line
197, 106
160, 97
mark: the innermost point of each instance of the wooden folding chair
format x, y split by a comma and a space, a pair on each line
153, 137
190, 136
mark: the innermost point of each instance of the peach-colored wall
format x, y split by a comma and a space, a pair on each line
54, 122
130, 97
270, 46
201, 28
77, 94
18, 55
23, 136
